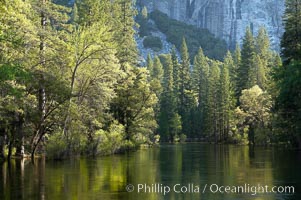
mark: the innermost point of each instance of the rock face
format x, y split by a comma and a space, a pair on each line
227, 19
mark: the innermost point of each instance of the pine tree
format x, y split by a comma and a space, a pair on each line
263, 46
265, 59
134, 107
237, 63
184, 77
288, 77
213, 119
175, 74
157, 76
89, 11
156, 83
200, 76
237, 55
261, 73
149, 63
123, 14
257, 73
252, 72
169, 120
186, 96
291, 40
227, 96
144, 12
232, 68
74, 15
247, 54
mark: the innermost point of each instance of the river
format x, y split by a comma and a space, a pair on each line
188, 171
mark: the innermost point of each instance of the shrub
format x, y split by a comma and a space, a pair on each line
262, 136
153, 43
238, 138
156, 139
56, 146
111, 141
183, 137
176, 139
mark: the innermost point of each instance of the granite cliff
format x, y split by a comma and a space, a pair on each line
226, 19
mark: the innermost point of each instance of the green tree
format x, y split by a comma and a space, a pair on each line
232, 67
265, 59
237, 55
94, 73
227, 99
169, 120
16, 30
288, 77
39, 24
89, 12
234, 74
144, 12
123, 17
175, 73
291, 40
213, 110
253, 71
50, 85
134, 107
245, 67
149, 63
262, 42
157, 76
200, 76
142, 20
186, 96
255, 113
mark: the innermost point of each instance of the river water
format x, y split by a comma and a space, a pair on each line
183, 171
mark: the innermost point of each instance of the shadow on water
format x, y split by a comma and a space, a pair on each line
196, 164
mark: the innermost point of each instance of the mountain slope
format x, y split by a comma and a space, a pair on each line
226, 19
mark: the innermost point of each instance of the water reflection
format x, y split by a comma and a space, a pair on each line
199, 164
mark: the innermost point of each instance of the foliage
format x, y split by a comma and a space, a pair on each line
111, 141
288, 77
245, 69
123, 13
69, 80
290, 43
134, 107
68, 105
254, 112
56, 146
288, 101
183, 138
153, 43
175, 30
169, 120
143, 20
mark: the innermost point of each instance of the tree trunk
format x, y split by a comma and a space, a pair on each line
19, 136
42, 92
36, 141
252, 134
10, 146
2, 145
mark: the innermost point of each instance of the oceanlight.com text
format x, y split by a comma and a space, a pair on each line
211, 188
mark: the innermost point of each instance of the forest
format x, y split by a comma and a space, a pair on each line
71, 84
